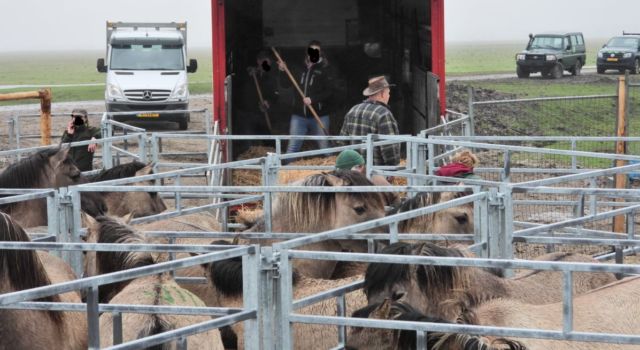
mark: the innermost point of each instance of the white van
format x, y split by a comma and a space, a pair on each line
147, 71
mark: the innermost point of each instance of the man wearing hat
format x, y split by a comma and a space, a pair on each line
352, 160
373, 116
78, 129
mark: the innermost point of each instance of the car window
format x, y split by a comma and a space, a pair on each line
623, 42
547, 42
574, 41
580, 40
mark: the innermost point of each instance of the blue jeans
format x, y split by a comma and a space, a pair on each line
302, 126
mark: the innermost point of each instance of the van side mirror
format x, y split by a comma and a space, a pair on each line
101, 66
193, 66
568, 47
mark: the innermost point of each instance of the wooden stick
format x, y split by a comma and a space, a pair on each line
262, 106
295, 84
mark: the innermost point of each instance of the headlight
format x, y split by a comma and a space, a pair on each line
520, 57
551, 58
113, 91
180, 91
600, 55
627, 55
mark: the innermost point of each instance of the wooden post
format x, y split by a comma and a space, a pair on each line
45, 117
621, 131
45, 110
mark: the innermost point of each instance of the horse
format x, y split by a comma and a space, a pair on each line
48, 168
458, 219
123, 203
26, 269
225, 290
361, 338
613, 308
427, 286
158, 289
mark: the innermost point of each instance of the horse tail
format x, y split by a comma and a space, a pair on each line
156, 325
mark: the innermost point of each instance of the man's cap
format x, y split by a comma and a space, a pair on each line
79, 112
347, 159
376, 85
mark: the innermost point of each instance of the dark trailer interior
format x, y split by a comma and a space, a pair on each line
360, 39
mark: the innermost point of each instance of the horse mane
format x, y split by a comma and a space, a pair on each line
406, 339
114, 232
23, 268
226, 275
438, 281
118, 172
27, 173
420, 200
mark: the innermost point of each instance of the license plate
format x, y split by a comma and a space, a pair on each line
612, 59
149, 115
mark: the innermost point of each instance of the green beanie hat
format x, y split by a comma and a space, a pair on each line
348, 159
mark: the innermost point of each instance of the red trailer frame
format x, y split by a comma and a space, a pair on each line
218, 36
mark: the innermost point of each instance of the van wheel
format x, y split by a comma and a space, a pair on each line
557, 71
522, 73
577, 68
183, 125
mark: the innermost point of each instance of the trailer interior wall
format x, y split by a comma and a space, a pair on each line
402, 28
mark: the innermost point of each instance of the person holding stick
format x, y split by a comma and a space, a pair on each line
315, 84
259, 94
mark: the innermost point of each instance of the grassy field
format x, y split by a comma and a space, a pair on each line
496, 57
78, 68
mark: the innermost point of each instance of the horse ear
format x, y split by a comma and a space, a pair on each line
148, 169
383, 311
87, 220
334, 180
61, 155
127, 218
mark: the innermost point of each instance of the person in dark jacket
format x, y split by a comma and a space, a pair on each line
253, 110
78, 129
316, 79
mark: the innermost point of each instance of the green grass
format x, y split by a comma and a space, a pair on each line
496, 57
77, 68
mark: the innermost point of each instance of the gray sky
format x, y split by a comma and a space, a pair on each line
80, 24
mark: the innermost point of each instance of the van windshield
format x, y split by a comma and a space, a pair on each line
547, 42
146, 57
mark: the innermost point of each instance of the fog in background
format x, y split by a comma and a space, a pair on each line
62, 25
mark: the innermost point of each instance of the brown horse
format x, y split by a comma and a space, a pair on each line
225, 290
427, 286
613, 308
360, 338
26, 269
123, 203
312, 212
48, 168
149, 290
453, 220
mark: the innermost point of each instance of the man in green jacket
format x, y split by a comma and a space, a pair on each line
78, 129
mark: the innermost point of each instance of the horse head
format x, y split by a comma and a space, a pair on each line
457, 219
123, 203
424, 286
362, 338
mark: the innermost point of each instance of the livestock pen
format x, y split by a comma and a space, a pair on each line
506, 213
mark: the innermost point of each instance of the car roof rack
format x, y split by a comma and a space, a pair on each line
627, 33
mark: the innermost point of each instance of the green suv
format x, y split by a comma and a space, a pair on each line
552, 54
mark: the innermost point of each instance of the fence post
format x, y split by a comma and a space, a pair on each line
284, 302
421, 167
431, 163
142, 147
481, 224
621, 146
471, 124
369, 159
75, 229
53, 222
250, 297
269, 178
107, 132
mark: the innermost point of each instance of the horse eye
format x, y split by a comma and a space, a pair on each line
462, 218
359, 210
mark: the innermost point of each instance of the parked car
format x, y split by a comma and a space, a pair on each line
621, 53
551, 54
